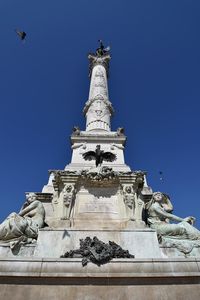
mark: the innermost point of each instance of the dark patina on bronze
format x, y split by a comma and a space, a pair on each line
97, 251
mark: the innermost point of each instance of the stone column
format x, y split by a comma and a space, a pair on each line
98, 108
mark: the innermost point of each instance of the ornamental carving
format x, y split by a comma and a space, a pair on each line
99, 174
129, 201
98, 97
68, 196
95, 60
128, 196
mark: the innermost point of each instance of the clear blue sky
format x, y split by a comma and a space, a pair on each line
154, 87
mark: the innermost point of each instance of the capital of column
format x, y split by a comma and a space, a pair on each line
95, 60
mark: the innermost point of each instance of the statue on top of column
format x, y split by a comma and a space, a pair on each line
101, 50
100, 57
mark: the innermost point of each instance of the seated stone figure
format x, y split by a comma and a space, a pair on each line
181, 235
23, 227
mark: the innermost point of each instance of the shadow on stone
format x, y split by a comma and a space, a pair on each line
65, 233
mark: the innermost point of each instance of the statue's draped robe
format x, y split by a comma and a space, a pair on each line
181, 235
17, 229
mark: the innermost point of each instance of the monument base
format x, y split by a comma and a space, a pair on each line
61, 279
142, 243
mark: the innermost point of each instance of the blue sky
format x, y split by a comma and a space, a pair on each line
154, 87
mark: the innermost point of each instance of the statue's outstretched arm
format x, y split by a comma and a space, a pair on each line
166, 215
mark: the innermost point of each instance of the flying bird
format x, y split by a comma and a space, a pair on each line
99, 156
161, 175
21, 34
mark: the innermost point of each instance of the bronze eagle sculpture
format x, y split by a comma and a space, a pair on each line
99, 156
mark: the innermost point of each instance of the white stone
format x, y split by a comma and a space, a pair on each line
141, 243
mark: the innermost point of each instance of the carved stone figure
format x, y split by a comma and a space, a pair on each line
120, 131
68, 196
76, 130
129, 201
23, 227
181, 235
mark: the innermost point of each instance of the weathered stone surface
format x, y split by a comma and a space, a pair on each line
141, 243
174, 252
97, 292
22, 251
182, 235
22, 228
124, 268
60, 279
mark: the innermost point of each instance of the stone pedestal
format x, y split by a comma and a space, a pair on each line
142, 243
61, 279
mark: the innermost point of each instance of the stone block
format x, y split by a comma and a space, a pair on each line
23, 251
141, 243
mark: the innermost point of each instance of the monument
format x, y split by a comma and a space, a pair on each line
97, 230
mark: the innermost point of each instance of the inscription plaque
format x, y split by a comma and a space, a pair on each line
99, 206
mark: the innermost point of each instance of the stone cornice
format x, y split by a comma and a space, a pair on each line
43, 197
129, 271
98, 138
61, 177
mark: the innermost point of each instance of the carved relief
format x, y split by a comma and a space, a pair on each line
76, 130
98, 111
99, 82
129, 201
103, 101
68, 197
139, 208
96, 60
55, 199
120, 131
99, 174
99, 73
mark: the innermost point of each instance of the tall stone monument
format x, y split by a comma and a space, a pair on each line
97, 230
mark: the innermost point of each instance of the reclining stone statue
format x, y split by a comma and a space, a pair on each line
23, 227
182, 235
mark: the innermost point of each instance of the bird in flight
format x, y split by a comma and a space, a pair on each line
99, 156
161, 175
21, 34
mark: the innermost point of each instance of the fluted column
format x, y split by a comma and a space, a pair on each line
98, 108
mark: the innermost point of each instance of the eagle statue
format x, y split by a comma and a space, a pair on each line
99, 156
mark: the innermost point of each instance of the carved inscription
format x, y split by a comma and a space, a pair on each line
99, 206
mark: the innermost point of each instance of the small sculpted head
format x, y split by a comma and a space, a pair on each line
157, 196
128, 189
31, 197
163, 200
